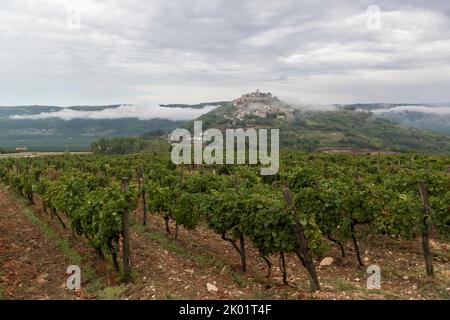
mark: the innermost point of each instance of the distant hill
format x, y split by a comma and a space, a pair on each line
342, 128
55, 134
94, 108
356, 127
7, 111
419, 120
425, 116
362, 130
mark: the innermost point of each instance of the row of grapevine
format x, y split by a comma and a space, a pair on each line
94, 204
316, 201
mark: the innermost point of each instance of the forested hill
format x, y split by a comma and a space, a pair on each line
348, 128
360, 130
424, 116
11, 111
313, 130
44, 128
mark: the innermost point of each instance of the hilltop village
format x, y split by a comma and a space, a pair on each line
256, 109
260, 105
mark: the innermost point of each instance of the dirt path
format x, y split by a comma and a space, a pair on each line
31, 264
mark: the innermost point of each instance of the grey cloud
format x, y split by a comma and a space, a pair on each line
157, 51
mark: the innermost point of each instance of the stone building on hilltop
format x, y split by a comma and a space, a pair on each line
261, 105
256, 97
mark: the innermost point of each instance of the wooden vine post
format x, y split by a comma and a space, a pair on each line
126, 252
144, 200
426, 229
303, 250
241, 235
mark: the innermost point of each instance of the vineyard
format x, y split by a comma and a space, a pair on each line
317, 206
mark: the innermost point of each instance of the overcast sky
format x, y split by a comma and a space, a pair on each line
160, 51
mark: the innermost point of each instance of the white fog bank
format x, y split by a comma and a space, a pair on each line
420, 109
125, 111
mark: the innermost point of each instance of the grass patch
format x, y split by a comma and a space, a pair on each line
287, 296
95, 284
365, 297
264, 295
433, 291
239, 279
271, 294
390, 272
390, 296
2, 296
344, 285
111, 293
442, 255
379, 295
170, 296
